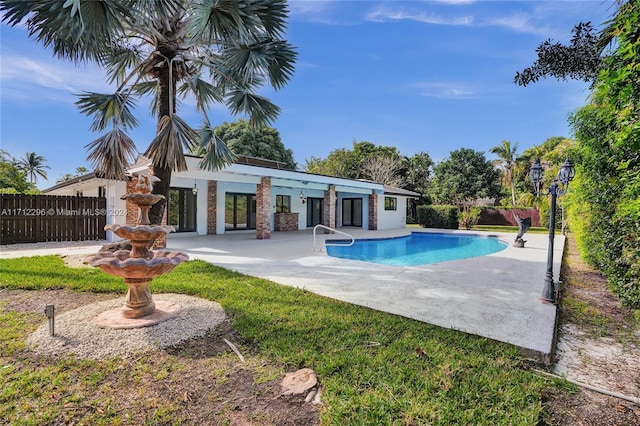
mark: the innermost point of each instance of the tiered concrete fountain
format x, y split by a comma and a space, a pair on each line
139, 265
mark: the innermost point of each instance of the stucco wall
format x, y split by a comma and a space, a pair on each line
392, 219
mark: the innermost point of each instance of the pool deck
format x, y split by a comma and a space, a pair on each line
495, 296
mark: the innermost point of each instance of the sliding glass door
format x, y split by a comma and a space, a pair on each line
181, 210
239, 211
352, 212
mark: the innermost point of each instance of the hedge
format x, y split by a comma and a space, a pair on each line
444, 217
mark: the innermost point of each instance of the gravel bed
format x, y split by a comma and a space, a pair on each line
76, 336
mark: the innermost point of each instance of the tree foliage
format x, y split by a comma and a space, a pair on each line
463, 178
382, 164
381, 169
580, 60
507, 153
216, 52
13, 179
347, 163
33, 165
262, 142
605, 198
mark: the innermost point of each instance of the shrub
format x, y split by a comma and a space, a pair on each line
470, 217
445, 217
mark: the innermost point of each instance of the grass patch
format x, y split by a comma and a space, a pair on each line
499, 228
462, 379
515, 229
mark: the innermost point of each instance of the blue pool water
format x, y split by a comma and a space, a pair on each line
418, 249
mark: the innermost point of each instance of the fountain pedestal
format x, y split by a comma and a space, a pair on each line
138, 301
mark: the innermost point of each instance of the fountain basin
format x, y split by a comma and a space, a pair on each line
121, 264
137, 273
140, 236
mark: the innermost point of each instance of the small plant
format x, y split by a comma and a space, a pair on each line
470, 216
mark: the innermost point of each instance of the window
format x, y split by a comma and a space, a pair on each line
390, 203
181, 210
102, 191
283, 204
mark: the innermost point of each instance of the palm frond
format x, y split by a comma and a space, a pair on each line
216, 153
174, 138
261, 110
79, 30
119, 60
273, 15
114, 109
204, 92
112, 153
214, 19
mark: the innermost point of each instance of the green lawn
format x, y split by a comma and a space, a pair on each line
462, 380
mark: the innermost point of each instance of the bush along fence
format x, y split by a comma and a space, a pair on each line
448, 217
42, 218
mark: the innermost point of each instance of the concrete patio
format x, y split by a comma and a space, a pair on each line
495, 296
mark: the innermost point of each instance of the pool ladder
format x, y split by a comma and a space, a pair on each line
315, 228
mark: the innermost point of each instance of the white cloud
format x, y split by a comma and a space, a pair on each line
446, 90
386, 14
23, 77
307, 7
456, 2
519, 22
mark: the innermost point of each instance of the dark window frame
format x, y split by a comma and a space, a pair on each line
391, 203
283, 203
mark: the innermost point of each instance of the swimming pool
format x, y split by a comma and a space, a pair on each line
419, 248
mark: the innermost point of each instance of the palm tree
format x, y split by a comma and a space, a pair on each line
33, 165
506, 153
65, 178
215, 51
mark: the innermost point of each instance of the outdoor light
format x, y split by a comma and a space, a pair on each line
194, 189
49, 311
559, 186
303, 197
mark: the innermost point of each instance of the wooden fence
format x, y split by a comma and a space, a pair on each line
41, 218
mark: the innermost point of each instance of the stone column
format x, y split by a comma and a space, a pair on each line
212, 206
329, 214
373, 212
263, 209
161, 241
131, 217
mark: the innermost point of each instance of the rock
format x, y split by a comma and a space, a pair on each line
299, 382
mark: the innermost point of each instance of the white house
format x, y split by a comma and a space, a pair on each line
254, 194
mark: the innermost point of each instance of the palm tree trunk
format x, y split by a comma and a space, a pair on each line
162, 173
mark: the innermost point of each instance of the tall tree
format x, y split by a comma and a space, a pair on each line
12, 178
215, 51
506, 153
381, 169
263, 142
33, 166
347, 163
463, 178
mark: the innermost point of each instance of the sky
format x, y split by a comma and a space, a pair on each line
423, 76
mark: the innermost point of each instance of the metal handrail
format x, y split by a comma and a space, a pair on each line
353, 240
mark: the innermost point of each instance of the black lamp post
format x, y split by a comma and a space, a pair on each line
558, 187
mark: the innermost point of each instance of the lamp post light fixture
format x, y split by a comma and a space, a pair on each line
558, 187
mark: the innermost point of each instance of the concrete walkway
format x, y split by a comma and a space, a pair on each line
495, 296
